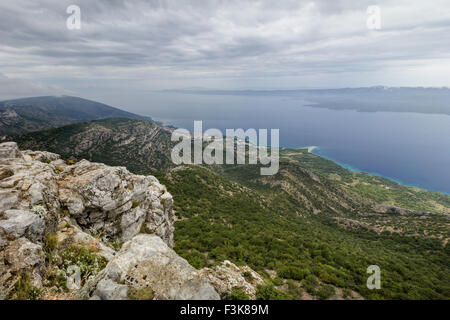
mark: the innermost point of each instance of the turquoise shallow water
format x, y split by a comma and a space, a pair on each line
410, 148
320, 152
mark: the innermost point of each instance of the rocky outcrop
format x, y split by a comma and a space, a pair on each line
21, 256
310, 174
388, 209
8, 117
141, 146
147, 263
9, 150
20, 223
79, 204
228, 277
111, 201
104, 200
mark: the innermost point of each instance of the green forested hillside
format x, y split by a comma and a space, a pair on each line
138, 145
365, 187
41, 113
300, 252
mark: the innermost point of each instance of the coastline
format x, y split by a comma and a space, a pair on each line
312, 148
315, 150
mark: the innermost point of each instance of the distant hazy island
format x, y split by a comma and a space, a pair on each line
371, 99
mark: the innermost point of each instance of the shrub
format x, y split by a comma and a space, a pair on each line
277, 281
346, 293
238, 294
51, 242
294, 289
24, 290
311, 280
310, 283
196, 259
146, 293
136, 204
326, 291
88, 262
268, 292
45, 160
292, 272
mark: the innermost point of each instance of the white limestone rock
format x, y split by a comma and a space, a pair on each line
24, 256
23, 223
147, 262
227, 277
9, 150
104, 200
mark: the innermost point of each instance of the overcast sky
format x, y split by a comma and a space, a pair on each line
127, 48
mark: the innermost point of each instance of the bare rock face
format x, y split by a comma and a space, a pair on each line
8, 117
20, 256
104, 200
9, 150
20, 223
228, 277
40, 193
147, 263
30, 185
388, 209
112, 201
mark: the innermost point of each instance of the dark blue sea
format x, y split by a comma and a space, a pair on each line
411, 148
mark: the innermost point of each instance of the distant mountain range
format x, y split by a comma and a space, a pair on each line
365, 99
40, 113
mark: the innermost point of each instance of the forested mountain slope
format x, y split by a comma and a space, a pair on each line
40, 113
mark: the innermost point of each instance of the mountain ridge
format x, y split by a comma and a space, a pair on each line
110, 140
46, 112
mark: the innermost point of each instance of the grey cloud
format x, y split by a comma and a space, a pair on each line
17, 88
218, 38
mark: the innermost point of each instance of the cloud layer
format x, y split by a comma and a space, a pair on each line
225, 44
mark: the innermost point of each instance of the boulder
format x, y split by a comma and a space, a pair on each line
115, 202
227, 277
9, 150
24, 256
23, 223
40, 156
107, 289
146, 262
